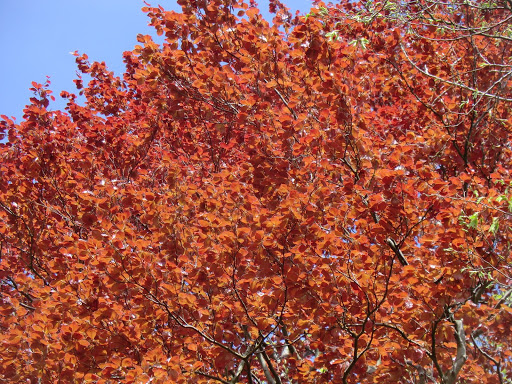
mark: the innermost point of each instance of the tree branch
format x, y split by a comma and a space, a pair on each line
461, 357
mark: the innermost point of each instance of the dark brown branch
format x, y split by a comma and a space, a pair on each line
204, 374
394, 247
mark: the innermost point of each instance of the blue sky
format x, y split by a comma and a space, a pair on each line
38, 36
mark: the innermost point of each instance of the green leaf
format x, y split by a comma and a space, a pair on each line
332, 35
495, 225
473, 220
501, 198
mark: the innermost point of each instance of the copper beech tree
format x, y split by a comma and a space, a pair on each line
320, 198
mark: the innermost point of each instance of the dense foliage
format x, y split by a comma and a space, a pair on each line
323, 198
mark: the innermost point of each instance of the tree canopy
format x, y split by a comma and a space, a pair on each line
320, 198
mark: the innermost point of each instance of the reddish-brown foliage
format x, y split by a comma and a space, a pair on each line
324, 198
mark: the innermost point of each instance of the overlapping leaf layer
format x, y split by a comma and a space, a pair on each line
323, 198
